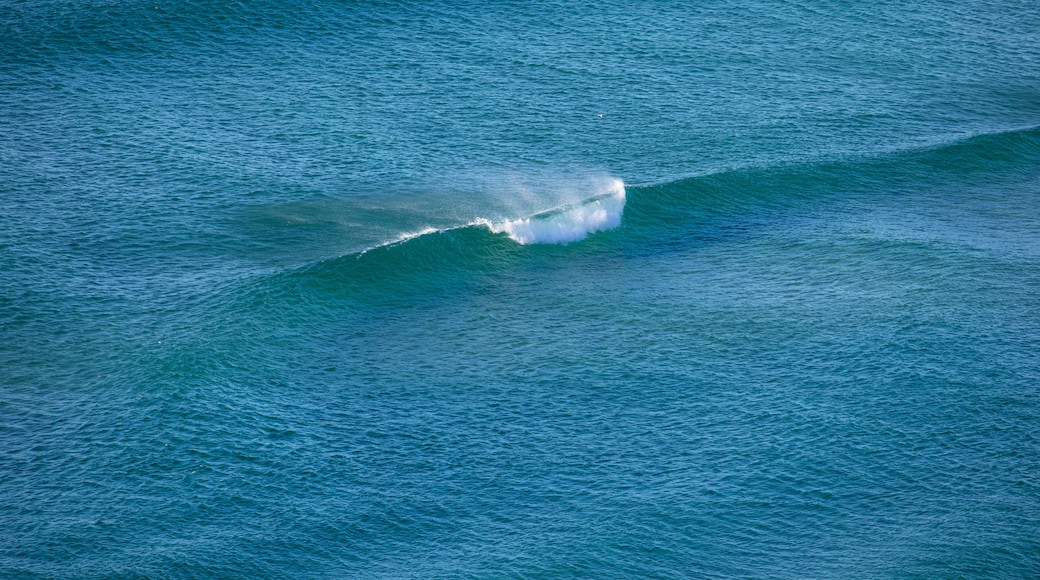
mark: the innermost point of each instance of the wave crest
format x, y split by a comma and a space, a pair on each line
569, 223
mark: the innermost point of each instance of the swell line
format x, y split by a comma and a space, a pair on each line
641, 218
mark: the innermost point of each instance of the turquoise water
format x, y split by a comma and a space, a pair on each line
420, 290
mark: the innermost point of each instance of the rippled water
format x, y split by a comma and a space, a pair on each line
392, 289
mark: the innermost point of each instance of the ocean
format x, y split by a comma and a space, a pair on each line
338, 289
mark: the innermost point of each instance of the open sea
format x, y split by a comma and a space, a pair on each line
541, 289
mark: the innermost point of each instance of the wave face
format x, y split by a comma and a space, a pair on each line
649, 220
645, 218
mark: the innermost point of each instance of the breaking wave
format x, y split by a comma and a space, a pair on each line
657, 217
569, 223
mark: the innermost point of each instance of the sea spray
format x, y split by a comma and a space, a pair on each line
570, 223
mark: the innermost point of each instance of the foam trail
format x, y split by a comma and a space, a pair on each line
569, 223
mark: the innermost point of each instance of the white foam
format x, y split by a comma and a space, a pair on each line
400, 239
569, 223
412, 235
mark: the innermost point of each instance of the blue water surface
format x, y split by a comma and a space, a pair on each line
542, 289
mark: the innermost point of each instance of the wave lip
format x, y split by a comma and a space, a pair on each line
569, 223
